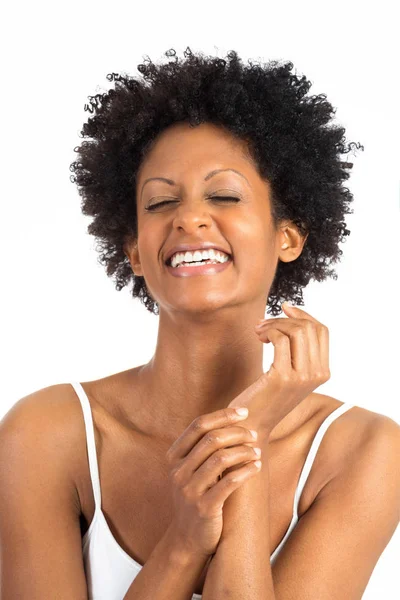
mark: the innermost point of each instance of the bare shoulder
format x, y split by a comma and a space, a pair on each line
357, 440
342, 533
40, 512
51, 417
358, 422
45, 409
325, 404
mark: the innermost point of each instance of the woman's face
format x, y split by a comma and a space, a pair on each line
192, 213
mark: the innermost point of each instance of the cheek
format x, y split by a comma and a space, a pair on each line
254, 248
251, 238
151, 240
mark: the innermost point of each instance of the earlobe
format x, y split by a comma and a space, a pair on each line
135, 261
286, 244
292, 247
131, 252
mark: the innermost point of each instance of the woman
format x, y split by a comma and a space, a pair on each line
217, 189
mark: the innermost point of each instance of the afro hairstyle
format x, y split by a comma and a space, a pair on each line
287, 132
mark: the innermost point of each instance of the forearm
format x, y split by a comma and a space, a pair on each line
241, 568
168, 573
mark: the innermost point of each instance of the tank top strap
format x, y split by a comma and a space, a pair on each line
90, 442
313, 451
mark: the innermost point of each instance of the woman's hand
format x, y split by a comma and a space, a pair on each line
211, 444
300, 365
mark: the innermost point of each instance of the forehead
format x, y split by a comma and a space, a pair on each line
181, 144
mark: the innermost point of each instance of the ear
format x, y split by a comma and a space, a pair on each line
131, 251
290, 242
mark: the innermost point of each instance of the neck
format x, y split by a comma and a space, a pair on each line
198, 367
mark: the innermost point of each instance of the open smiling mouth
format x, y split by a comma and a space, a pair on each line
206, 267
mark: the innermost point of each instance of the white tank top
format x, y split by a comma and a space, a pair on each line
109, 569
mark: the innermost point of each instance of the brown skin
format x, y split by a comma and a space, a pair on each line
203, 452
301, 363
136, 492
207, 354
224, 307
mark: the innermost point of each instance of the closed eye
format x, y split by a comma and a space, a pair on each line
223, 198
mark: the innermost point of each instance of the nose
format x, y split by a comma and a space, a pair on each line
190, 219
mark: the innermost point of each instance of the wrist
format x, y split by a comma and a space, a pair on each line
180, 554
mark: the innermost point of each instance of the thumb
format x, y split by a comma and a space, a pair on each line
251, 393
288, 308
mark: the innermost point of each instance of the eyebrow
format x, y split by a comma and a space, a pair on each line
206, 178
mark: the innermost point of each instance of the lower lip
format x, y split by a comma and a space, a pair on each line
210, 269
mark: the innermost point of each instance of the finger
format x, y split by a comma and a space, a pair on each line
199, 427
310, 344
219, 492
323, 337
295, 311
322, 332
298, 336
218, 463
212, 442
314, 350
282, 351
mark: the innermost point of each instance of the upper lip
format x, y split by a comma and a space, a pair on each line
192, 247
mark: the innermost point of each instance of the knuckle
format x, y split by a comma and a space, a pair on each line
219, 458
176, 476
286, 378
186, 493
303, 378
210, 438
201, 508
302, 331
199, 424
322, 375
217, 436
275, 334
230, 478
229, 414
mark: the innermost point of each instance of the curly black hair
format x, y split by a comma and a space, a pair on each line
287, 134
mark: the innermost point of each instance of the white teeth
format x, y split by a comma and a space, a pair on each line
197, 256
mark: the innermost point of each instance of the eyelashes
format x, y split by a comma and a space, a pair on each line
217, 198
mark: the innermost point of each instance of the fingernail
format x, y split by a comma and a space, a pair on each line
242, 411
254, 433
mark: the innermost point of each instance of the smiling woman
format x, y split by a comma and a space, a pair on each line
216, 189
284, 133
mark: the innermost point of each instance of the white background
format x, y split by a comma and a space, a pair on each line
61, 318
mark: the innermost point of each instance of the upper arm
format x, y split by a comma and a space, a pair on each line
40, 537
336, 544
